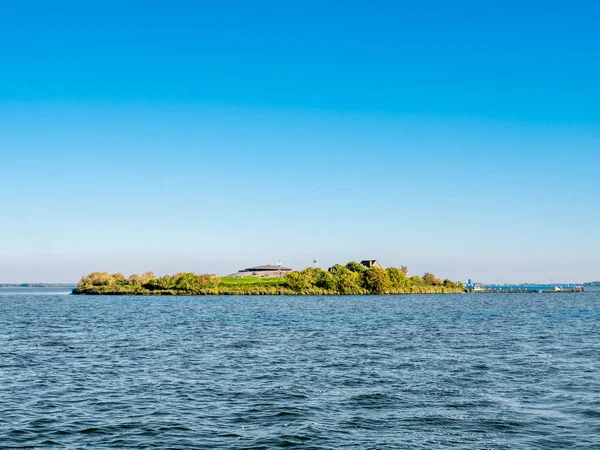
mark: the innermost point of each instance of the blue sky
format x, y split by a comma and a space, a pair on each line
460, 138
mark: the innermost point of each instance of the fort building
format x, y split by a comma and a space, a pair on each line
266, 271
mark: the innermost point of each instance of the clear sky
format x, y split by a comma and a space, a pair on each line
461, 138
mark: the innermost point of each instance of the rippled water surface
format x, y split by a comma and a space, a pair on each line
468, 371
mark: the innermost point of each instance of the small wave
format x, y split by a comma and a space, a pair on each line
92, 430
287, 414
591, 413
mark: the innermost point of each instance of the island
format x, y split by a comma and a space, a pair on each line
354, 278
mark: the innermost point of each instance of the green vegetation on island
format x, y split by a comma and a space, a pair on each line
353, 278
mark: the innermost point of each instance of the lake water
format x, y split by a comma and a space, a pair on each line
464, 371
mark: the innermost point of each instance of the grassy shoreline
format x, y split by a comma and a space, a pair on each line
351, 279
99, 290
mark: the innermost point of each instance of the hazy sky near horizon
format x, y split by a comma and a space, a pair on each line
461, 138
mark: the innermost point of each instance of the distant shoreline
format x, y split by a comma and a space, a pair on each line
38, 285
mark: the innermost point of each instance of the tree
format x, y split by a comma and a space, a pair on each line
377, 281
311, 278
345, 281
298, 281
146, 277
119, 279
348, 283
97, 279
192, 282
431, 279
312, 274
449, 283
356, 267
160, 284
397, 277
325, 280
337, 269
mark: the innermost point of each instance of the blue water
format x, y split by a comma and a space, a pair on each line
457, 371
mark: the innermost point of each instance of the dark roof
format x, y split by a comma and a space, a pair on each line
368, 262
265, 268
